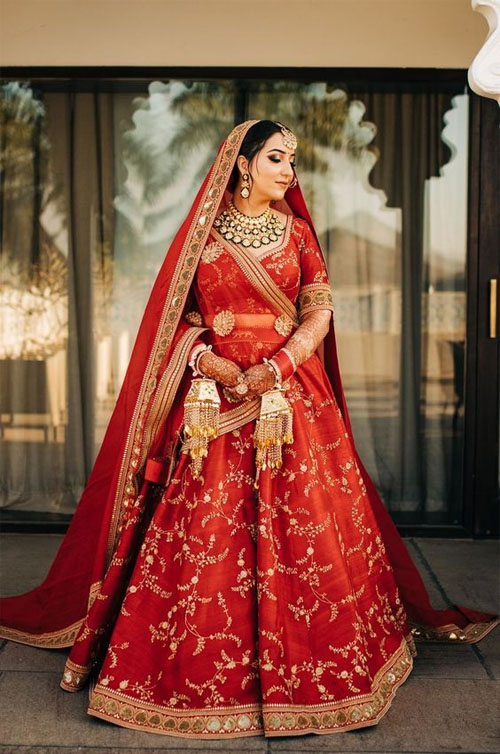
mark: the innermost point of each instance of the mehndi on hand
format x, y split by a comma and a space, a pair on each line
219, 368
303, 343
259, 378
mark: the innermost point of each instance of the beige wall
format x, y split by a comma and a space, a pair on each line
420, 33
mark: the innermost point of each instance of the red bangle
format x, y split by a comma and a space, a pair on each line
284, 363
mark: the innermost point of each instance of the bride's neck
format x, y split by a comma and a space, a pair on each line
250, 208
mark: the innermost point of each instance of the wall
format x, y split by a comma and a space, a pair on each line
392, 33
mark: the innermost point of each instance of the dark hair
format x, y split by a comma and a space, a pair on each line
254, 140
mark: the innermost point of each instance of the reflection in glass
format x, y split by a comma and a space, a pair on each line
363, 241
444, 318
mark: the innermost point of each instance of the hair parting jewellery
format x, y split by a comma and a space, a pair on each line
290, 141
289, 138
247, 231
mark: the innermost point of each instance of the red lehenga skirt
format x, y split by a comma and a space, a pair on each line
230, 610
250, 610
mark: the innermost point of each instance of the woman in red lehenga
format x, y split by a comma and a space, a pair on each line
231, 569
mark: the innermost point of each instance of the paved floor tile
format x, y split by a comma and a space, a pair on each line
19, 657
468, 570
445, 662
428, 577
426, 716
36, 712
488, 651
94, 750
99, 750
25, 560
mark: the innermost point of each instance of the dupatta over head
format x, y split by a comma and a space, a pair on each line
50, 615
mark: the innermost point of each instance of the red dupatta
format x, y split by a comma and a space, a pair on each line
50, 615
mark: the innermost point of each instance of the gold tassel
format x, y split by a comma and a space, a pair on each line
273, 429
201, 420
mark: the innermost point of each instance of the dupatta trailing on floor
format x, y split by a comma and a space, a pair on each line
51, 615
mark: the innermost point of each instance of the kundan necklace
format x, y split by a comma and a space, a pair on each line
248, 231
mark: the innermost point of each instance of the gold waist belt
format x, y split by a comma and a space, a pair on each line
226, 321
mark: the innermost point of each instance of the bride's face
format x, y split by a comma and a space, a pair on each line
271, 170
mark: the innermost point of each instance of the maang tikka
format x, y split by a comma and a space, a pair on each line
290, 141
289, 138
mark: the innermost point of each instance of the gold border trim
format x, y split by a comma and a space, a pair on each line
74, 676
472, 633
63, 637
316, 296
250, 720
166, 391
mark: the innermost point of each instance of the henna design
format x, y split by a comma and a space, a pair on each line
223, 370
307, 337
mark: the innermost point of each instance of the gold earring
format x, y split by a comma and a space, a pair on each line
294, 182
245, 186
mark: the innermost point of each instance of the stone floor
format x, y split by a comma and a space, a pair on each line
449, 703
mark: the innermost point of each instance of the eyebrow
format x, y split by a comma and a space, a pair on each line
282, 151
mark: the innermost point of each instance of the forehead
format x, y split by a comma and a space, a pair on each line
276, 142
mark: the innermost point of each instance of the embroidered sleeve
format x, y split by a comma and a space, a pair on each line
315, 290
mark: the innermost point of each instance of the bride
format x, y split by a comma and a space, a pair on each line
230, 569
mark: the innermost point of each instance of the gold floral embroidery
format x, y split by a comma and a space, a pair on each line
260, 279
65, 637
211, 252
283, 324
245, 720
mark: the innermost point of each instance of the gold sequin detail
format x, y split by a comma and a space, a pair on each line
194, 318
283, 325
223, 322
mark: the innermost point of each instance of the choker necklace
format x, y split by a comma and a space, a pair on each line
247, 231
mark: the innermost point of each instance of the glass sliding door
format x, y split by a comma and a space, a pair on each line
98, 177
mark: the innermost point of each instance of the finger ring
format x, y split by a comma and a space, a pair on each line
241, 388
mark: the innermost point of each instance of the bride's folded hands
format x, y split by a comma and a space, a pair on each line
301, 345
258, 379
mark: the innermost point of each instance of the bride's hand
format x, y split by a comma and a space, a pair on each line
259, 378
219, 368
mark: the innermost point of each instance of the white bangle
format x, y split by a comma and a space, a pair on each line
195, 355
276, 370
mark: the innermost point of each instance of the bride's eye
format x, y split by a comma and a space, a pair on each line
274, 159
